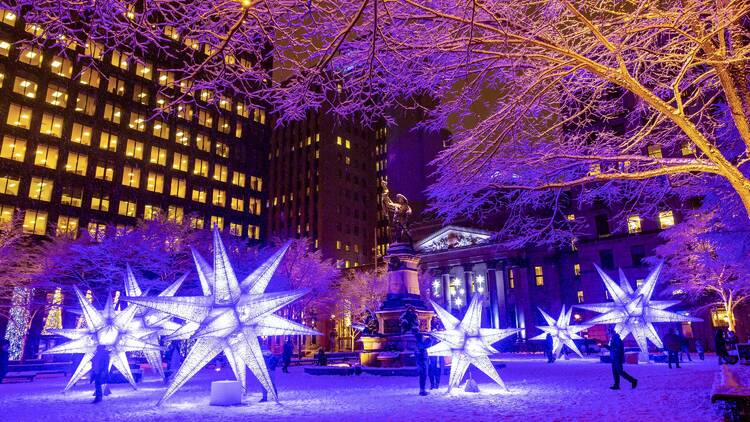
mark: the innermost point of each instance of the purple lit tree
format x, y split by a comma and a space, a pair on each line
620, 100
708, 257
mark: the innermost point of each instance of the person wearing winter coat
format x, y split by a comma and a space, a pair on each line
4, 358
422, 358
672, 346
436, 364
286, 355
173, 358
700, 349
548, 348
684, 347
271, 363
617, 356
721, 347
100, 372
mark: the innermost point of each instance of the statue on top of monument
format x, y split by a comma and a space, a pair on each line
399, 211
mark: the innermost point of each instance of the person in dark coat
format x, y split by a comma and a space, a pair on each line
721, 347
271, 363
436, 364
700, 349
684, 347
320, 357
173, 358
420, 353
548, 348
617, 356
100, 371
4, 357
286, 355
672, 346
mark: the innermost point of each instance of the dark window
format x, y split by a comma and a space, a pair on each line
602, 225
638, 252
607, 258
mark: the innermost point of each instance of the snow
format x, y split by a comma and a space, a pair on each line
575, 389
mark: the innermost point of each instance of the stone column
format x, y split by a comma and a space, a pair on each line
446, 279
493, 293
468, 278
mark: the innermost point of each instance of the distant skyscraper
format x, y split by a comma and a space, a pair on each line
323, 186
80, 149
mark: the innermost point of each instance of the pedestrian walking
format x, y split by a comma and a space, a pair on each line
100, 372
271, 363
420, 353
721, 347
548, 348
286, 356
435, 368
700, 349
617, 357
672, 346
173, 358
684, 348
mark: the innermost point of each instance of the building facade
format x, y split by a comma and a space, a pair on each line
323, 186
81, 147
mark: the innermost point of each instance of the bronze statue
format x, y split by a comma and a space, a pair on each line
399, 211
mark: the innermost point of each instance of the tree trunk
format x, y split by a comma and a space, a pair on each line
729, 309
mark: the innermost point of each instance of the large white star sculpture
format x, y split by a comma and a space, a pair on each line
467, 343
160, 323
563, 334
230, 318
633, 311
105, 328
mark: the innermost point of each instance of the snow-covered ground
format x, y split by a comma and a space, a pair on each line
574, 390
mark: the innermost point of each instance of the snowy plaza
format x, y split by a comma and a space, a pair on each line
568, 390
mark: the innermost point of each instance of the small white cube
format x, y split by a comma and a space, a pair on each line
226, 393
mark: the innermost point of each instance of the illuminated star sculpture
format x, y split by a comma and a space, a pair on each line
108, 329
467, 343
160, 323
633, 311
562, 333
230, 318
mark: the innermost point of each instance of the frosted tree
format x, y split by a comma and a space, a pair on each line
551, 104
359, 293
708, 257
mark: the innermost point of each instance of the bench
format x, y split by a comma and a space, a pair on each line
29, 376
732, 386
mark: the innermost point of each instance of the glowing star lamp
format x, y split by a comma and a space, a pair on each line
633, 311
159, 322
467, 343
108, 329
230, 318
563, 334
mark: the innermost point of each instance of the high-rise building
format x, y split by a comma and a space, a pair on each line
81, 147
322, 185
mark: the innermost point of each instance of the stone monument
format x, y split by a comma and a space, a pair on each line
403, 309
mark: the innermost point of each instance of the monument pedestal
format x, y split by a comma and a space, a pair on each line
395, 346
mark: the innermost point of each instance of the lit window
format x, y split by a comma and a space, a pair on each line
52, 125
81, 134
127, 208
137, 121
219, 198
90, 77
35, 222
577, 270
9, 185
134, 149
242, 109
120, 59
634, 224
61, 66
67, 226
161, 129
220, 172
155, 182
46, 156
86, 104
185, 111
178, 187
200, 167
688, 148
254, 205
666, 219
8, 17
256, 183
238, 179
77, 163
158, 156
223, 125
580, 296
205, 118
235, 229
199, 194
97, 231
19, 116
539, 276
238, 130
175, 213
115, 86
112, 113
202, 142
94, 49
141, 94
131, 176
166, 78
595, 169
238, 204
197, 222
144, 70
32, 56
253, 232
13, 148
56, 95
25, 87
259, 115
100, 202
180, 162
654, 151
41, 189
108, 141
4, 48
105, 170
72, 196
222, 150
151, 212
217, 221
